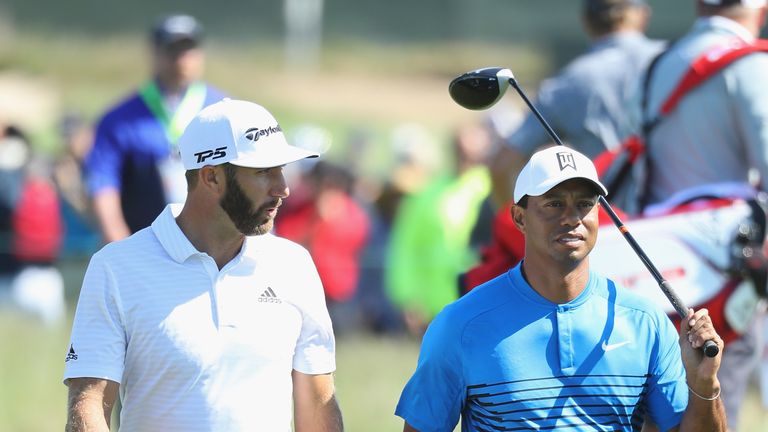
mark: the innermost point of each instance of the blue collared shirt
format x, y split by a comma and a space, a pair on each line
505, 358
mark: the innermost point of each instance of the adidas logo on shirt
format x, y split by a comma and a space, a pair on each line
269, 296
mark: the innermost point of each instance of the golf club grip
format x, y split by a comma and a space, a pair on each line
710, 347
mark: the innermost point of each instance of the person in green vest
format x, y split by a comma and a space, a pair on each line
430, 238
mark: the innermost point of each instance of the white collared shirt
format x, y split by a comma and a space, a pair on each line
196, 348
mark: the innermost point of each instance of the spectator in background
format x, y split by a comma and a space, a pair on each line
430, 238
416, 160
134, 168
378, 313
30, 231
334, 228
586, 104
81, 236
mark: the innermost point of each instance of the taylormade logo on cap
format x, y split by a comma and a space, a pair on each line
239, 132
550, 167
253, 134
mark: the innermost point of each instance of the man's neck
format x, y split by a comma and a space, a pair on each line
222, 243
171, 88
558, 284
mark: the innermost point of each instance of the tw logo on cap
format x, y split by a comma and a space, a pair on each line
565, 160
253, 134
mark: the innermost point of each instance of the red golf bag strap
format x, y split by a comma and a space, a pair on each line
709, 64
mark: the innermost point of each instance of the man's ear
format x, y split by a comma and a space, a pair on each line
517, 217
212, 178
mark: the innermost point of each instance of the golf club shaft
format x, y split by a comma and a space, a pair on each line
710, 347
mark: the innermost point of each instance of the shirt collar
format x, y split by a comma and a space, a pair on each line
178, 246
725, 25
173, 240
524, 288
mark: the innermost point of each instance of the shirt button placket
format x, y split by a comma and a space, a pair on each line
213, 276
565, 339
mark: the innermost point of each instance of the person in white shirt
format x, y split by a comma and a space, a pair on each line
205, 321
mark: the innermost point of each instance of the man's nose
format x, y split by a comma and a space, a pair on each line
571, 215
280, 188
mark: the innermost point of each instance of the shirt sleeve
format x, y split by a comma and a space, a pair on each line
433, 398
104, 162
667, 396
98, 341
316, 347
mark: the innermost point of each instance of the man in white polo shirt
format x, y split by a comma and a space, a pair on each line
205, 321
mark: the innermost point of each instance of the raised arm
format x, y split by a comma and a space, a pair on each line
314, 404
705, 410
90, 404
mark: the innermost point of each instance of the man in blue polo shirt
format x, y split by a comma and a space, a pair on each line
551, 345
134, 169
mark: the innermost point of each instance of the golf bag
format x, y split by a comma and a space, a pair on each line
710, 250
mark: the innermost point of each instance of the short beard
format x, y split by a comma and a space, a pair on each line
238, 207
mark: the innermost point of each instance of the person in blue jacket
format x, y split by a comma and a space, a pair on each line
134, 169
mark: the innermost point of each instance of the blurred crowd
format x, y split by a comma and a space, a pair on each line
387, 247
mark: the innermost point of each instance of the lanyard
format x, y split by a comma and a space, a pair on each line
174, 123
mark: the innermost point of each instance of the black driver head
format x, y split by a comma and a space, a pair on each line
481, 88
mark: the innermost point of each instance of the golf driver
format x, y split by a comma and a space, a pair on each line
482, 88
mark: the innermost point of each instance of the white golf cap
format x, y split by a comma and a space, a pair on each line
550, 167
239, 132
752, 4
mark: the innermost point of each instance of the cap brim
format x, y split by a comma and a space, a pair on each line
285, 155
548, 185
173, 39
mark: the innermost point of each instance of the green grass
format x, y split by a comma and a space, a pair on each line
371, 372
32, 396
